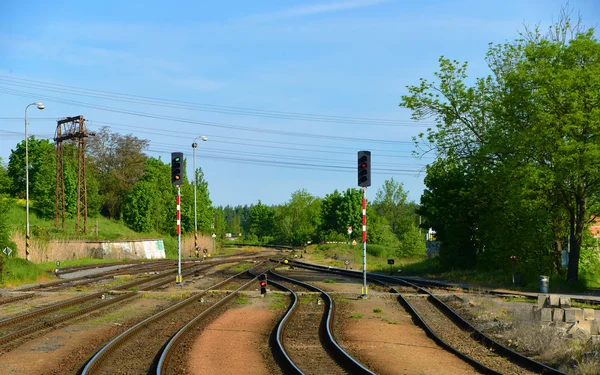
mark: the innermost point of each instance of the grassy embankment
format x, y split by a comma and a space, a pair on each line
336, 254
16, 271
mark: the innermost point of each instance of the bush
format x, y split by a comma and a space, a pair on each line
379, 251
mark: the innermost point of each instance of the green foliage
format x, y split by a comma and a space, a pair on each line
377, 310
356, 316
518, 156
5, 226
261, 221
17, 271
298, 220
5, 180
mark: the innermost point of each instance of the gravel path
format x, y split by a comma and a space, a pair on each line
462, 341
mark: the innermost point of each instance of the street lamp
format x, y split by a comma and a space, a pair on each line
194, 146
40, 106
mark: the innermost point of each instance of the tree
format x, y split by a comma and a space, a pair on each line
5, 181
261, 221
391, 203
119, 163
298, 220
535, 118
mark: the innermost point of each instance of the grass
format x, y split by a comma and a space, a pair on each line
356, 316
241, 267
242, 299
377, 310
582, 305
277, 302
17, 271
329, 281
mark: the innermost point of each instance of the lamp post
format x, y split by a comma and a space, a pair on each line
40, 106
194, 146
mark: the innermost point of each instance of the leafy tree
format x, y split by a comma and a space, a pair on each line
5, 180
40, 152
391, 203
261, 221
119, 163
298, 220
535, 118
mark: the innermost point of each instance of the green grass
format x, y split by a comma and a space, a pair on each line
377, 310
277, 301
17, 271
242, 299
520, 299
582, 305
241, 267
356, 316
329, 281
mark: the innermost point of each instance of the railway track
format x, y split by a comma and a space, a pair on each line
303, 339
451, 331
22, 325
162, 332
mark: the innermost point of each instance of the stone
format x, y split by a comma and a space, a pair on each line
558, 315
565, 302
591, 326
542, 298
536, 313
572, 328
581, 334
554, 300
573, 315
588, 314
546, 314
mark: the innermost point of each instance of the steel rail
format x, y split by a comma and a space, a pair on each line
172, 343
95, 362
31, 329
7, 300
485, 340
334, 349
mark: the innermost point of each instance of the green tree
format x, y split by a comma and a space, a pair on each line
261, 221
391, 202
5, 180
535, 118
119, 162
298, 220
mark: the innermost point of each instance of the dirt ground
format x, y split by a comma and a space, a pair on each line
235, 342
65, 350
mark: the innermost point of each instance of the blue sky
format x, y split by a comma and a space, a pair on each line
340, 58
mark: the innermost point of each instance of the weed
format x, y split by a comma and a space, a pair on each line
356, 316
242, 299
377, 310
389, 321
329, 281
277, 302
584, 305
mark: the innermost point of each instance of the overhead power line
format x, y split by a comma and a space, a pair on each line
195, 122
230, 110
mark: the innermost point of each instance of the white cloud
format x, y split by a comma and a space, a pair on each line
313, 9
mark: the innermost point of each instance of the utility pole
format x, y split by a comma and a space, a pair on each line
71, 128
364, 180
177, 180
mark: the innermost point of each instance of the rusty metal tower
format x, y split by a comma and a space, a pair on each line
71, 128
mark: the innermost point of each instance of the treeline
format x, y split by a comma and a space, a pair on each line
123, 183
518, 166
392, 220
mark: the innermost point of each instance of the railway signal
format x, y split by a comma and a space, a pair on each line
263, 284
176, 168
364, 168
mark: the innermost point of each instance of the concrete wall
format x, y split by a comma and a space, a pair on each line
139, 249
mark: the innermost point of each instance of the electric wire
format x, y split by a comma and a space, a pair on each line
195, 122
231, 110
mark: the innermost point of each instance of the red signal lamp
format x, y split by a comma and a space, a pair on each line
263, 284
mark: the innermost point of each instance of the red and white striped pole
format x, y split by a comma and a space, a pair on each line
178, 200
365, 290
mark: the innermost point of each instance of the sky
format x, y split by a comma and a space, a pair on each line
285, 91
